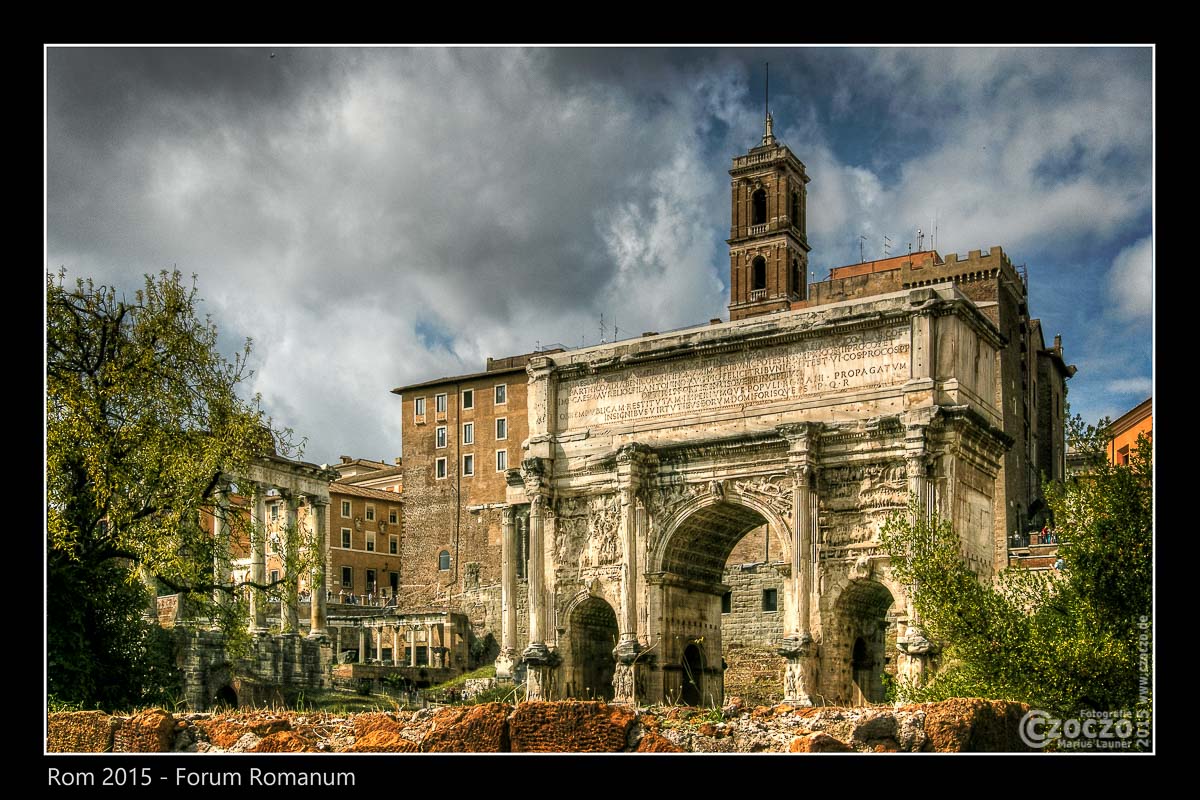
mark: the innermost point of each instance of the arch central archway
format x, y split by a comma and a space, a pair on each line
686, 588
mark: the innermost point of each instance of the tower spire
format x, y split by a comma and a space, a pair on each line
768, 123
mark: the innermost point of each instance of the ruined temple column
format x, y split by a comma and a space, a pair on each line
798, 646
916, 462
396, 645
290, 622
362, 643
412, 650
428, 644
317, 518
337, 645
221, 563
508, 596
258, 559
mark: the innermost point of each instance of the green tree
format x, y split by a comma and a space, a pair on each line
1065, 640
142, 417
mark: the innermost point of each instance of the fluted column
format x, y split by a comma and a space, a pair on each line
258, 559
799, 645
317, 519
290, 622
396, 645
362, 643
537, 578
508, 595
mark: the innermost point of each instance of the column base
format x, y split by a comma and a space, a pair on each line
505, 662
627, 651
799, 678
537, 654
628, 685
317, 634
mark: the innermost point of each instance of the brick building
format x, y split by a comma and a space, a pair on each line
1126, 428
461, 435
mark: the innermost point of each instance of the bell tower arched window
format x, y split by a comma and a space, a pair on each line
758, 277
794, 214
758, 207
797, 285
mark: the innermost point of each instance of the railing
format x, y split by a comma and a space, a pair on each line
758, 294
755, 230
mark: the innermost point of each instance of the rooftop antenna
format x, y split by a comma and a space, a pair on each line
603, 338
935, 227
887, 244
861, 238
920, 240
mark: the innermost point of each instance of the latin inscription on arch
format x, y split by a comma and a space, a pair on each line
868, 360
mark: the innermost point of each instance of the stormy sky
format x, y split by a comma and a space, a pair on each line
377, 217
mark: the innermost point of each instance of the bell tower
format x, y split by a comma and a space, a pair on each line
768, 246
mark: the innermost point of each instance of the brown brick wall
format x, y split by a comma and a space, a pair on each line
437, 515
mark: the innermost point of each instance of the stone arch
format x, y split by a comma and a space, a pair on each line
685, 573
684, 517
758, 273
591, 636
859, 646
758, 207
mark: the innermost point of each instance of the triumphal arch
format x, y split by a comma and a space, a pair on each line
648, 459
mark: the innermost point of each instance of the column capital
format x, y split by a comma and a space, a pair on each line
508, 515
802, 437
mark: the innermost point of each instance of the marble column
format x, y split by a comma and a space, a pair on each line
258, 560
798, 645
362, 644
290, 622
428, 644
508, 596
412, 650
396, 645
317, 519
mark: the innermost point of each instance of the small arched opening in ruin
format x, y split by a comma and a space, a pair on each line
865, 641
591, 635
226, 697
687, 584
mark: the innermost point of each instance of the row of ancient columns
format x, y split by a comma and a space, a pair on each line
222, 563
410, 637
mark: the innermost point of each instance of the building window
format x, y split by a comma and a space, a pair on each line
440, 468
394, 545
348, 578
444, 560
501, 460
795, 215
758, 203
370, 580
439, 403
440, 436
468, 398
759, 279
274, 511
419, 409
274, 576
346, 509
727, 602
370, 541
770, 600
468, 433
370, 513
393, 517
345, 538
501, 393
468, 464
796, 284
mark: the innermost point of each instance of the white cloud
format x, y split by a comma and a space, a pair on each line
1131, 280
1138, 386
